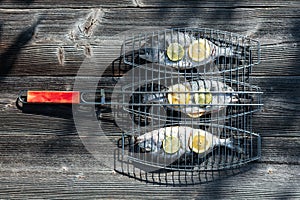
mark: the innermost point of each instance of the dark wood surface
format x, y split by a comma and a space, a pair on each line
43, 45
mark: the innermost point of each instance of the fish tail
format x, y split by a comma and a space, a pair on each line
230, 144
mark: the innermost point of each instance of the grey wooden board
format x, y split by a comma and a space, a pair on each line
69, 180
145, 4
44, 44
49, 149
67, 4
45, 33
281, 105
281, 59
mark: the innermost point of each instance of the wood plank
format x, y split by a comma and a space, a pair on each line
32, 4
281, 105
142, 3
257, 23
260, 182
280, 114
271, 147
52, 149
44, 155
57, 46
215, 3
276, 60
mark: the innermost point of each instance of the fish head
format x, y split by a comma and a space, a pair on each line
152, 54
149, 145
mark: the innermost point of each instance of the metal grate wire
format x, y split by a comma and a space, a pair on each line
173, 94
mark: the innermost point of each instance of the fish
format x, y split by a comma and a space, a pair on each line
194, 51
187, 141
195, 98
187, 147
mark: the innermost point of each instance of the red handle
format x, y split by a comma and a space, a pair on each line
65, 97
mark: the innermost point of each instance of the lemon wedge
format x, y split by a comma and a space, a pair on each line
175, 52
196, 115
199, 50
171, 144
203, 97
200, 142
179, 94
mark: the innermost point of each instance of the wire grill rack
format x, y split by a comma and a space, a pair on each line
224, 51
186, 103
244, 147
149, 102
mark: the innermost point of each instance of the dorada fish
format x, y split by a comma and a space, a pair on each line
195, 98
182, 50
174, 141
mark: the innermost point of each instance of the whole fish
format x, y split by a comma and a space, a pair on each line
182, 50
174, 141
195, 98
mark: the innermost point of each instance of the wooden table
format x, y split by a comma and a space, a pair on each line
43, 44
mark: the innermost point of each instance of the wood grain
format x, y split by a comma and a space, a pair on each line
52, 149
144, 4
276, 60
281, 105
49, 45
44, 34
32, 4
75, 181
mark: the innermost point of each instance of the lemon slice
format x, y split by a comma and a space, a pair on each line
200, 142
199, 50
203, 97
196, 115
175, 52
179, 94
171, 144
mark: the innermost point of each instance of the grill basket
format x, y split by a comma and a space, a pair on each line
183, 84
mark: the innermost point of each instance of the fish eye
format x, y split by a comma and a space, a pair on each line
147, 146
